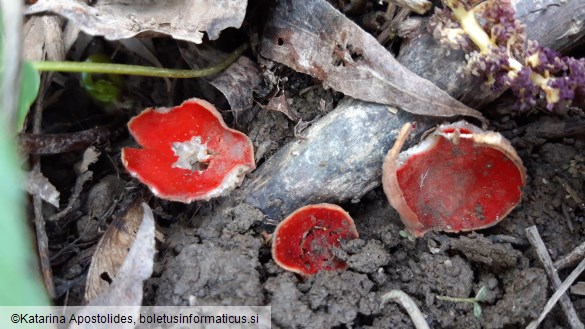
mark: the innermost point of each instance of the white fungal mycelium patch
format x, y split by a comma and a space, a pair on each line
192, 154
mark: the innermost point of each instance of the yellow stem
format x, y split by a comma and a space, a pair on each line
471, 27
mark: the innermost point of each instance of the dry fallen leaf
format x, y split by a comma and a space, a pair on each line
126, 288
126, 291
118, 19
90, 156
145, 49
236, 83
314, 38
37, 184
113, 249
43, 39
280, 104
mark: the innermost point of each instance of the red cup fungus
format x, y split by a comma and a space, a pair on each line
459, 178
303, 242
188, 153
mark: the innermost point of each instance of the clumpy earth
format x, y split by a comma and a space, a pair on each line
221, 255
218, 252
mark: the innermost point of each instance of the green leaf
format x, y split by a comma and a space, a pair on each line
29, 89
20, 283
481, 294
476, 310
406, 234
107, 89
19, 279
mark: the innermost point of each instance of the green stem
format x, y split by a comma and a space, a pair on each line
109, 68
457, 299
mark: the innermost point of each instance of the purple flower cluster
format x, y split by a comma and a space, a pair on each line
501, 23
505, 59
565, 76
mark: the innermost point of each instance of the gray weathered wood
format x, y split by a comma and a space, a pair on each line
340, 159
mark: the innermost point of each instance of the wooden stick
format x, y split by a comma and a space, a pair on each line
555, 297
544, 257
572, 258
42, 238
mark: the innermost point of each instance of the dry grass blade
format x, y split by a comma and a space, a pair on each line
74, 197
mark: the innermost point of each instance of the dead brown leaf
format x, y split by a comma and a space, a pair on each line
43, 39
90, 156
37, 184
126, 289
236, 83
112, 249
118, 19
280, 104
314, 38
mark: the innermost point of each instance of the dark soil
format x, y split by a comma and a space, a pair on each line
217, 253
221, 259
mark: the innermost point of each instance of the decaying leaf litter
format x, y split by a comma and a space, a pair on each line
336, 159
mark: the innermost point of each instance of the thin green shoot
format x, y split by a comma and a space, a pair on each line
479, 297
126, 69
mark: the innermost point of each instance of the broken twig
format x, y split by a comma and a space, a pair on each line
578, 288
534, 238
81, 179
44, 144
555, 297
572, 193
42, 238
572, 258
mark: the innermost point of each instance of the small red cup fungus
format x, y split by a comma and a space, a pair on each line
303, 242
188, 152
459, 178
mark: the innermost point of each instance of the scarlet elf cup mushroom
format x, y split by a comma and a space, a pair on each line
459, 178
188, 153
303, 241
